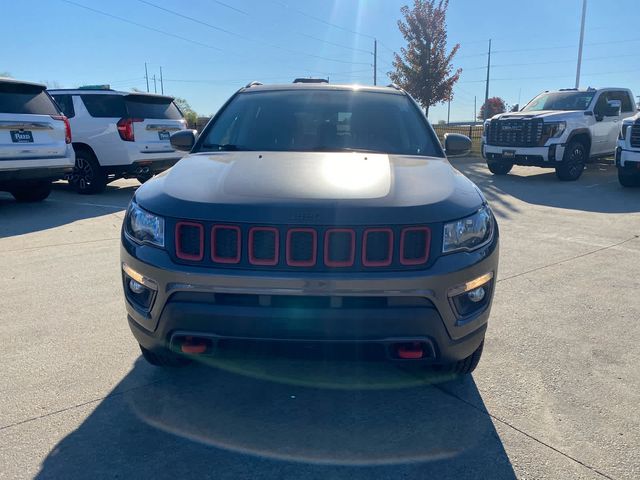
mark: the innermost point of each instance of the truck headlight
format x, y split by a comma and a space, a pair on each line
485, 126
144, 227
553, 129
623, 131
469, 233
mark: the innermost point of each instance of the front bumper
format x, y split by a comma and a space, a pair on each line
251, 305
629, 159
547, 156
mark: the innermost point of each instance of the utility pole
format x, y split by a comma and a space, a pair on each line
155, 87
584, 14
161, 82
375, 61
486, 92
146, 75
475, 116
448, 110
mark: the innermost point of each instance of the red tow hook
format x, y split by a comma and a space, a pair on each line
410, 351
193, 346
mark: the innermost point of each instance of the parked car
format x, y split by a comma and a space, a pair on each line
119, 135
628, 152
317, 214
35, 141
558, 129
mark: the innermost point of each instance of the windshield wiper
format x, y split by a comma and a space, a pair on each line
227, 147
343, 149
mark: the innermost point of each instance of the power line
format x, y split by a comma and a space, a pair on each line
318, 19
231, 7
335, 44
195, 20
146, 27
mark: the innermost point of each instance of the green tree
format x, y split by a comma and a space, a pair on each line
424, 67
189, 113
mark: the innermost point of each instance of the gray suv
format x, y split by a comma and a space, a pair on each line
312, 214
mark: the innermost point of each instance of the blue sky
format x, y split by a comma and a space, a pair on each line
236, 41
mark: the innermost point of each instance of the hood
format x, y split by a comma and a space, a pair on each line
310, 187
546, 114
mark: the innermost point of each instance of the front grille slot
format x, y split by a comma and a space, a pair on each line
339, 247
225, 244
515, 132
635, 135
414, 245
190, 241
377, 248
264, 246
302, 247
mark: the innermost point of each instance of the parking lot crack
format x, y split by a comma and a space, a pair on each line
519, 430
570, 259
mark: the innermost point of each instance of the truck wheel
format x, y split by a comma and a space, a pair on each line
627, 179
88, 176
32, 192
466, 366
499, 168
164, 358
144, 178
573, 162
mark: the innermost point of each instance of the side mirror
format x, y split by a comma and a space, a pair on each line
183, 140
456, 144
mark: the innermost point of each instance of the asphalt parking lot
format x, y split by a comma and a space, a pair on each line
556, 395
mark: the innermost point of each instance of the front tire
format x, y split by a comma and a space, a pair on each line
467, 365
499, 168
88, 177
144, 178
573, 162
164, 358
627, 179
32, 192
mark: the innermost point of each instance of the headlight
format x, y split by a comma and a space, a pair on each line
485, 126
469, 233
553, 129
144, 227
623, 131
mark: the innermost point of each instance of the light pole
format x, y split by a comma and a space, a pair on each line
584, 14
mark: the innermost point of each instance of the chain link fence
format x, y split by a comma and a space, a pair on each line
474, 132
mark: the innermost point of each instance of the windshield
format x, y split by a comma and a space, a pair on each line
321, 120
560, 101
143, 106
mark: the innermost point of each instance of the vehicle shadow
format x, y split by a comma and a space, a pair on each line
597, 190
63, 206
280, 419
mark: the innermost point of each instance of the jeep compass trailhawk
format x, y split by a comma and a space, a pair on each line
312, 214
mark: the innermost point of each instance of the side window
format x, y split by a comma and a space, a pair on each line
105, 106
65, 102
602, 102
627, 104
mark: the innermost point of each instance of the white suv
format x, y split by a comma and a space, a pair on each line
628, 152
561, 129
35, 141
119, 135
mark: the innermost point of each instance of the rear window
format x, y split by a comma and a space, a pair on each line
142, 106
104, 106
322, 120
65, 102
26, 99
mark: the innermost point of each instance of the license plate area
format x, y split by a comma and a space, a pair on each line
21, 136
164, 135
508, 154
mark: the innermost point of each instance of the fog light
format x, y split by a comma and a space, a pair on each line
477, 295
136, 287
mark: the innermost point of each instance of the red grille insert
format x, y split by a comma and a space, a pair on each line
226, 241
414, 245
189, 248
296, 248
264, 246
339, 247
369, 242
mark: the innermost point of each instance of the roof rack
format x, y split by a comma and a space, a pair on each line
94, 87
311, 80
568, 90
252, 84
393, 85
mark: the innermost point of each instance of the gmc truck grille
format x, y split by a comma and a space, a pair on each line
634, 139
301, 248
515, 132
